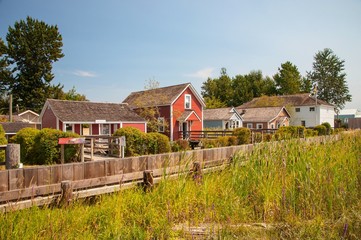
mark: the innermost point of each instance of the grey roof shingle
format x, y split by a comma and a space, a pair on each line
83, 111
264, 114
218, 114
14, 127
302, 99
155, 97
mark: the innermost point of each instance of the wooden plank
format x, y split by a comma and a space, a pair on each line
67, 172
56, 174
30, 177
16, 179
4, 181
78, 171
44, 176
115, 167
94, 169
15, 195
127, 164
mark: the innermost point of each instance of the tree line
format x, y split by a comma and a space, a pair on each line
26, 66
327, 77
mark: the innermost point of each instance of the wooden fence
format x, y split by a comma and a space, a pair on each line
21, 188
41, 185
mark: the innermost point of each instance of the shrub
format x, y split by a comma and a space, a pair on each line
41, 146
287, 132
329, 129
321, 130
180, 145
135, 140
310, 133
26, 138
232, 141
209, 143
222, 141
157, 143
243, 135
46, 149
3, 141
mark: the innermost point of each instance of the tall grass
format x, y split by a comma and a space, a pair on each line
294, 188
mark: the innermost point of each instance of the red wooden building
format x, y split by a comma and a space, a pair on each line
180, 108
89, 118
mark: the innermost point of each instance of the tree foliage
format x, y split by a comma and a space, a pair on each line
226, 91
26, 62
288, 80
328, 73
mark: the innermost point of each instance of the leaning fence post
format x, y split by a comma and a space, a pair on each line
66, 192
12, 156
197, 172
148, 180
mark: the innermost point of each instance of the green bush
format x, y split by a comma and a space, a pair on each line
135, 141
329, 129
321, 130
287, 132
310, 133
243, 135
180, 145
209, 143
3, 141
232, 141
26, 138
157, 143
222, 141
40, 147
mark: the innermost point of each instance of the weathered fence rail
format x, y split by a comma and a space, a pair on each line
20, 188
45, 181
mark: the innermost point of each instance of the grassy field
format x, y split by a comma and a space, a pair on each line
288, 190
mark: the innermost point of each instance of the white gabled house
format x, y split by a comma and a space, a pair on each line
305, 110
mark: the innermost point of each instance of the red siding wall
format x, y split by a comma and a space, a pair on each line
140, 126
95, 129
77, 129
178, 109
165, 112
48, 120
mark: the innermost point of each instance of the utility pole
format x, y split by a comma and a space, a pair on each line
11, 108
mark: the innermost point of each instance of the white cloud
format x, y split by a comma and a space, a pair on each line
202, 73
85, 74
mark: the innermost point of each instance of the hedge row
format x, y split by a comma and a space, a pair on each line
2, 142
38, 147
140, 143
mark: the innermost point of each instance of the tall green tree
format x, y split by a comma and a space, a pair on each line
328, 73
288, 80
26, 73
218, 88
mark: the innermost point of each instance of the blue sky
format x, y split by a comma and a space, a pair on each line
114, 47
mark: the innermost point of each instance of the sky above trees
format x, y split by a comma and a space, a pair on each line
114, 47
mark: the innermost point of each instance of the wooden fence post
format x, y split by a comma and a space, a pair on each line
12, 156
197, 172
148, 180
66, 192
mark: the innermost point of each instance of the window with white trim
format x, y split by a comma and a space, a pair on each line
161, 124
187, 101
104, 129
298, 109
259, 125
250, 125
68, 127
312, 109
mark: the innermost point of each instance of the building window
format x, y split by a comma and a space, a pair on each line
68, 127
303, 123
104, 129
250, 125
272, 126
187, 101
161, 124
259, 125
234, 124
298, 109
312, 109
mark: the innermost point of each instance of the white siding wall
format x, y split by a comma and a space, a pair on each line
312, 118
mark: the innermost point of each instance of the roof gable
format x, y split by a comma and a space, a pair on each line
303, 99
264, 114
221, 114
84, 111
160, 96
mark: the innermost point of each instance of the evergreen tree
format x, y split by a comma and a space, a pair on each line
26, 62
328, 73
288, 80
